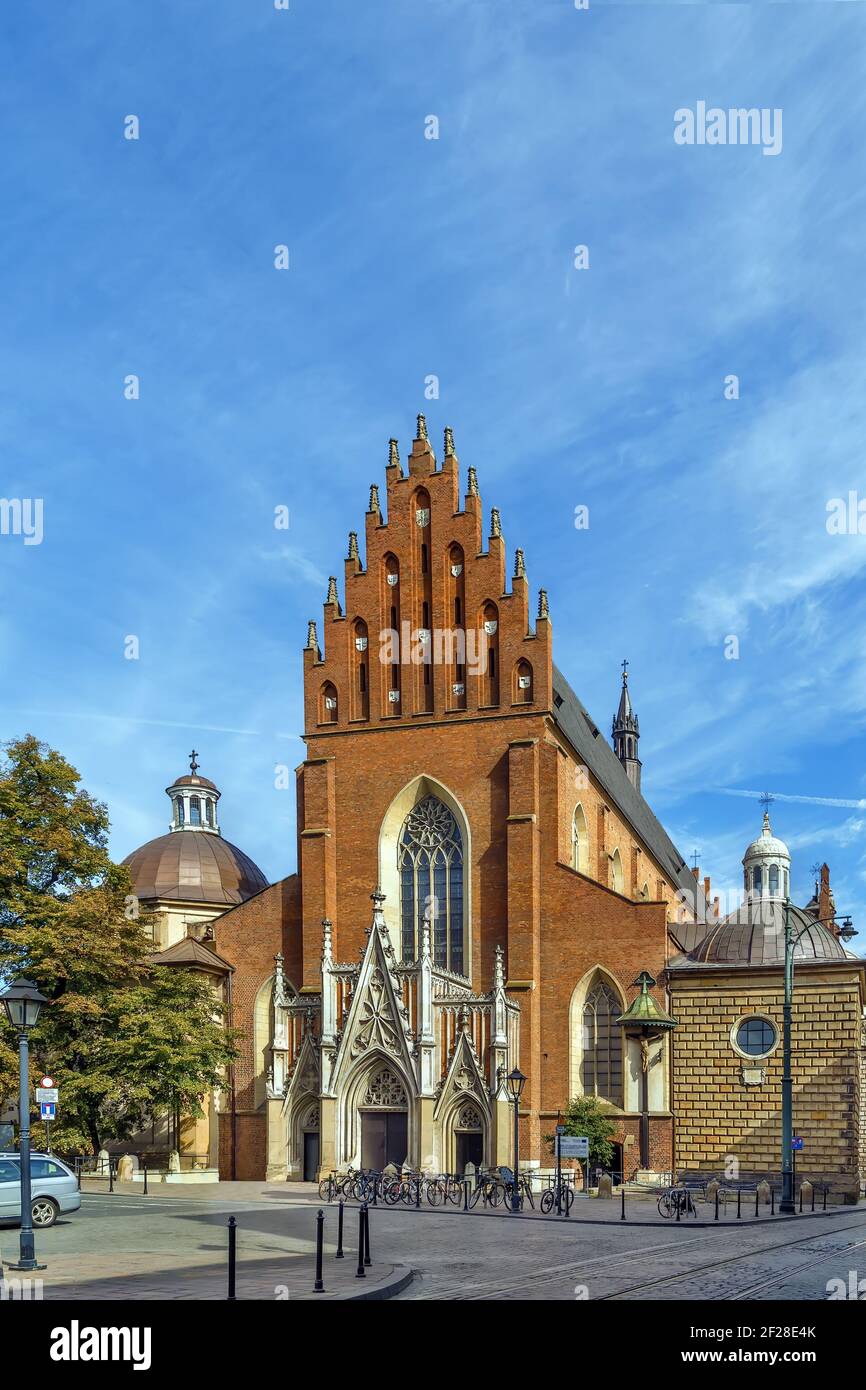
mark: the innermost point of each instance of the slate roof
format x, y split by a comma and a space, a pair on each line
594, 750
188, 951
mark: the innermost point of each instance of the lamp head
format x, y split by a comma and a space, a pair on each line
515, 1080
23, 1004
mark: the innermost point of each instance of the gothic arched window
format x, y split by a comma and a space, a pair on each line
579, 841
430, 860
601, 1060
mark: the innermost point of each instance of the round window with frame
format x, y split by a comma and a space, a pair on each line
754, 1036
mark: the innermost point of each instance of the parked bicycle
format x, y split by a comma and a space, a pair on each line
677, 1201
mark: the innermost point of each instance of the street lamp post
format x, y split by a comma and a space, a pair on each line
515, 1080
23, 1002
787, 1205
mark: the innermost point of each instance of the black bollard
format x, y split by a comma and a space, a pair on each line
367, 1260
679, 1205
716, 1217
825, 1197
465, 1194
145, 1177
359, 1272
110, 1176
232, 1255
622, 1193
772, 1200
339, 1255
801, 1199
813, 1196
417, 1192
739, 1196
757, 1199
319, 1286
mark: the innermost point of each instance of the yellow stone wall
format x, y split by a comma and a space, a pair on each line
719, 1116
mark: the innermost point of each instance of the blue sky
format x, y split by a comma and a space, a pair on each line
454, 257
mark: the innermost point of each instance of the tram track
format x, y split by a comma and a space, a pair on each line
604, 1266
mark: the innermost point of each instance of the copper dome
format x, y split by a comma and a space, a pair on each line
755, 935
192, 866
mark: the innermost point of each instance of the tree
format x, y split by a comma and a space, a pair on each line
124, 1039
585, 1115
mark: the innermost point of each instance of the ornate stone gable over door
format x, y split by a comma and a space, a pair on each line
377, 1024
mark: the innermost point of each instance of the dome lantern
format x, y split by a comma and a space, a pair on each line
767, 865
194, 801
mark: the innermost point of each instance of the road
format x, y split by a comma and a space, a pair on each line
129, 1246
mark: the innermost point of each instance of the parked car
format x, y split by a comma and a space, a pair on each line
53, 1188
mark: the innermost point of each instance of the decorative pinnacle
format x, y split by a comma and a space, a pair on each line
543, 609
374, 500
472, 484
519, 565
312, 639
332, 591
353, 546
495, 523
449, 441
193, 765
422, 428
394, 455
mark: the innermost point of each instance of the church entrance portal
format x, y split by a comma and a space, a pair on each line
384, 1138
311, 1156
470, 1149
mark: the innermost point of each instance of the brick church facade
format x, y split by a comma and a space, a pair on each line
480, 881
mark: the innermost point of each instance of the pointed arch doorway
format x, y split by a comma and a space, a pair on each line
384, 1115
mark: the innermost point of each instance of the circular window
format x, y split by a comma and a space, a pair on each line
755, 1036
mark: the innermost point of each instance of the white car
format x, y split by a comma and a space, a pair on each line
53, 1188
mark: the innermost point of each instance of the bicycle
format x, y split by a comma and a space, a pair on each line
676, 1201
565, 1194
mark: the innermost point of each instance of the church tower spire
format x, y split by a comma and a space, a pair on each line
626, 733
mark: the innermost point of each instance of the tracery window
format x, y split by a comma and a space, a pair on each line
601, 1059
430, 860
385, 1090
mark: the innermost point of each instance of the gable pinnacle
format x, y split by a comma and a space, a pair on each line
374, 500
543, 609
422, 427
332, 591
519, 565
472, 484
394, 456
312, 639
495, 523
449, 441
353, 546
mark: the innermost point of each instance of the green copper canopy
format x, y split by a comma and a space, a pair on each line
643, 1012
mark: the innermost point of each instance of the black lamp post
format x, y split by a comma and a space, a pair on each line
23, 1003
515, 1081
846, 931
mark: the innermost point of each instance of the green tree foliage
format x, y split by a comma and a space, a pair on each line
125, 1040
585, 1115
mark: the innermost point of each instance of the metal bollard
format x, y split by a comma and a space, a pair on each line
145, 1178
339, 1255
801, 1199
319, 1286
825, 1197
232, 1255
679, 1207
360, 1272
367, 1260
739, 1196
465, 1194
622, 1192
716, 1217
110, 1176
772, 1200
813, 1196
417, 1192
757, 1199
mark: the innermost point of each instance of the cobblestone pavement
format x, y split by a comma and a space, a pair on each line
172, 1244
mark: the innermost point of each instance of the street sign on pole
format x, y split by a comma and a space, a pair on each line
48, 1110
47, 1095
47, 1082
573, 1146
797, 1142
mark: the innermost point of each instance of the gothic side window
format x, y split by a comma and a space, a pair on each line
601, 1058
430, 860
579, 841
